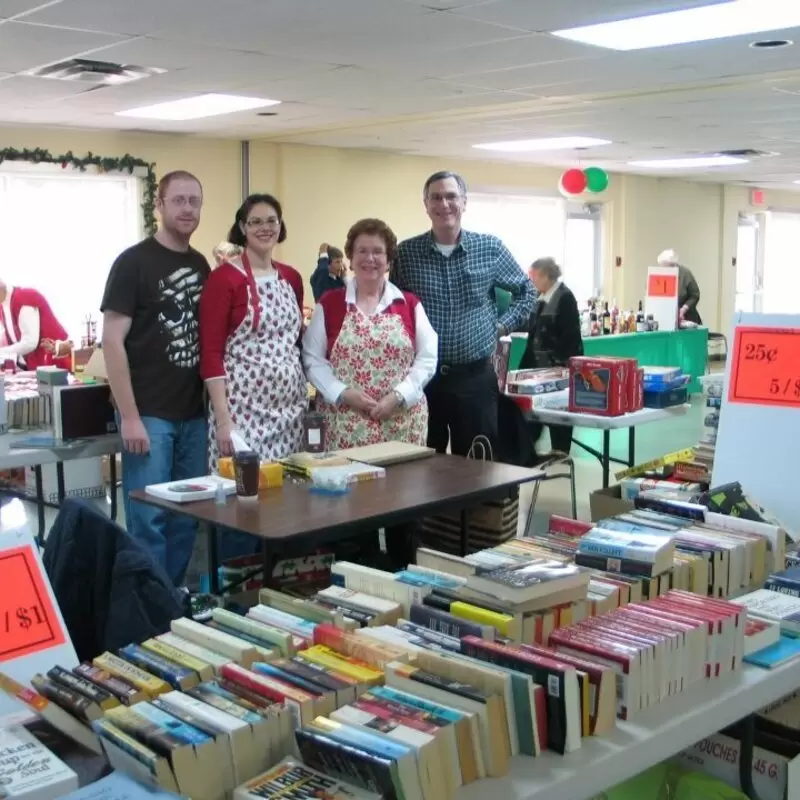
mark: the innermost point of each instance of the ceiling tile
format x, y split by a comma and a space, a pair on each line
10, 8
24, 46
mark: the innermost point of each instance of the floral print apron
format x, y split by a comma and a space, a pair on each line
266, 387
373, 354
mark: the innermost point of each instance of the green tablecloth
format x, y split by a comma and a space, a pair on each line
686, 348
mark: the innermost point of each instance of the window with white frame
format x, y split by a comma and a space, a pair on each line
530, 227
535, 227
62, 230
583, 246
780, 279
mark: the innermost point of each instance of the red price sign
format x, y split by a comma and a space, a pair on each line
662, 286
28, 621
766, 367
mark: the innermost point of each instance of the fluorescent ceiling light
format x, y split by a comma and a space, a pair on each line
689, 163
531, 145
719, 21
204, 105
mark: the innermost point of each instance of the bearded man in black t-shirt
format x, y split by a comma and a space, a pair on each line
152, 355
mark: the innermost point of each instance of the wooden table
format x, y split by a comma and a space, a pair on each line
408, 492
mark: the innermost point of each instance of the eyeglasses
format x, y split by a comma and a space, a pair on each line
365, 252
257, 222
450, 197
181, 201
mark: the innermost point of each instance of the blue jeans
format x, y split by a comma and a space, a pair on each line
178, 451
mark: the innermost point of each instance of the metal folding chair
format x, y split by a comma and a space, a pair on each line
557, 459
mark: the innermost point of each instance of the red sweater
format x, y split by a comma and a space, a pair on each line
49, 328
223, 307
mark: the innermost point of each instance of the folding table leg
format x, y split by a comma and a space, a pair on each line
37, 474
62, 491
112, 478
606, 460
464, 532
213, 559
746, 757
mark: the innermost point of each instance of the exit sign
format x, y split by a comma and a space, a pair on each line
756, 197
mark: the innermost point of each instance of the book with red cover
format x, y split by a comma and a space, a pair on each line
623, 657
598, 674
558, 677
567, 526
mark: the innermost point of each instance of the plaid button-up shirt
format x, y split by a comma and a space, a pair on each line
458, 291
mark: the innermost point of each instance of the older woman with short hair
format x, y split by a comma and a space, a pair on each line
554, 335
370, 350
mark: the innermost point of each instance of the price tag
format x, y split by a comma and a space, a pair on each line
766, 367
28, 621
662, 286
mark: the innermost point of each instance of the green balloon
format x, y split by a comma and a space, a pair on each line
596, 179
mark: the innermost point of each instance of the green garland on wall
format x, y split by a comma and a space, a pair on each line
126, 163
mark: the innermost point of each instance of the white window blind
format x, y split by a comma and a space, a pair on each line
530, 227
62, 231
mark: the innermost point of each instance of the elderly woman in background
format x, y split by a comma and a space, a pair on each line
370, 351
554, 336
688, 289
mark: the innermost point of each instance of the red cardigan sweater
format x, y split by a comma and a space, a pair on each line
223, 307
49, 328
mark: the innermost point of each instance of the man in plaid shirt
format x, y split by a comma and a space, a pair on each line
455, 273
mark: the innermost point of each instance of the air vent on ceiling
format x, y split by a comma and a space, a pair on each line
86, 70
746, 152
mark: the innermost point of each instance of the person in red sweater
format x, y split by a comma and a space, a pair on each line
30, 334
250, 325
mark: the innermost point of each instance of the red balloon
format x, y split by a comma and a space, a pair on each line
573, 181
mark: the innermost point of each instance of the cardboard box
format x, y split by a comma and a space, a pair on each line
599, 385
604, 503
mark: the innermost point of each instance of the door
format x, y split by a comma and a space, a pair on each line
750, 263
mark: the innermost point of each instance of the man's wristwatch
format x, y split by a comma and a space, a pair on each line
401, 401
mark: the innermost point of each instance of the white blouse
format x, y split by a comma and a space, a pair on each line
320, 372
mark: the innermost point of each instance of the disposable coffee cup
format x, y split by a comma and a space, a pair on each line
246, 468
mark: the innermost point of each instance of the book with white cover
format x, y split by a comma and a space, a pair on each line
203, 488
29, 770
650, 548
775, 607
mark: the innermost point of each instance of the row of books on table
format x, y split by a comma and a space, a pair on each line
350, 685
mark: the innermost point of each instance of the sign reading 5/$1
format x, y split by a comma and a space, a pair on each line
766, 367
28, 621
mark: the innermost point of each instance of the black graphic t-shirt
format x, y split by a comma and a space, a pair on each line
159, 289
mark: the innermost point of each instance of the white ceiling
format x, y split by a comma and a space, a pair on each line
429, 77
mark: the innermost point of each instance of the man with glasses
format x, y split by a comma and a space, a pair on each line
152, 356
455, 273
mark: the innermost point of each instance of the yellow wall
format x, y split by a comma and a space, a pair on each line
324, 190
